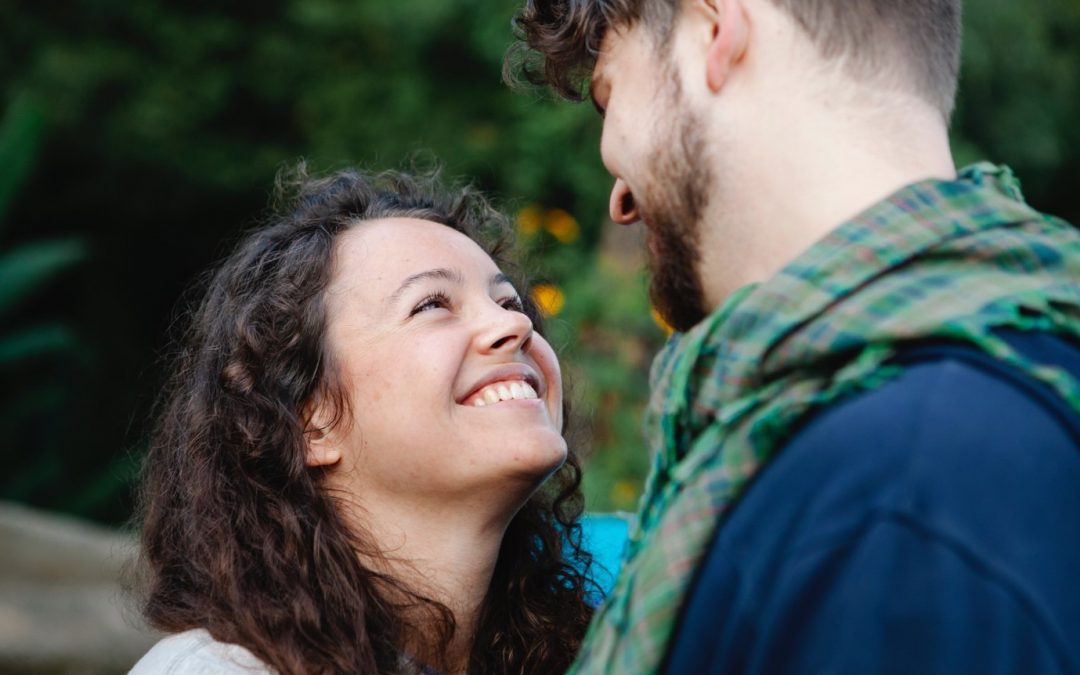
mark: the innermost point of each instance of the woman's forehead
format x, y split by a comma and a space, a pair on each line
382, 253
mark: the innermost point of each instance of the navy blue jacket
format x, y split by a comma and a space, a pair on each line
931, 526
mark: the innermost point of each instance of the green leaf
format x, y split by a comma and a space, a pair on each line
104, 486
35, 341
21, 131
26, 268
43, 471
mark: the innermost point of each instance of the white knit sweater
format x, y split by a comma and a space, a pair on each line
195, 652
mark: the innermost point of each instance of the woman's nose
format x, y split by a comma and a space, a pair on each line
507, 330
623, 208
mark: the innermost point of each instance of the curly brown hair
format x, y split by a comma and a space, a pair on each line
240, 536
558, 40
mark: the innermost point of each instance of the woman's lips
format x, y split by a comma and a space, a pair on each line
510, 382
497, 392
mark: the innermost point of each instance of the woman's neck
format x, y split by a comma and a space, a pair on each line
446, 555
454, 567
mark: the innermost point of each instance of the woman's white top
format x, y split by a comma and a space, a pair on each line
195, 652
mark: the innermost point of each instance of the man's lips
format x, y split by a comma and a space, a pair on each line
509, 373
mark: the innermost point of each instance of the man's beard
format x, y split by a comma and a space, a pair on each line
673, 205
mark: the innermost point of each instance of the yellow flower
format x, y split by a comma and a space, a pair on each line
562, 226
549, 297
529, 220
624, 493
664, 325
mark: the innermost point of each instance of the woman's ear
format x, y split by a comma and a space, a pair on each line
323, 448
730, 35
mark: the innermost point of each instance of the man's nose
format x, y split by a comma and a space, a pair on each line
623, 208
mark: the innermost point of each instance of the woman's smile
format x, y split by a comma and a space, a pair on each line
502, 392
517, 382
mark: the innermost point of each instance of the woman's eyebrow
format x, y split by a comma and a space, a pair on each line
443, 274
499, 278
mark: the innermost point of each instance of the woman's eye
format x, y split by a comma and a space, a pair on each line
513, 304
433, 301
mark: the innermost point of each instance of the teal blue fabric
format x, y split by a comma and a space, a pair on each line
604, 537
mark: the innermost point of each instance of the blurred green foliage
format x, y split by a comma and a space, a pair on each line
167, 122
31, 350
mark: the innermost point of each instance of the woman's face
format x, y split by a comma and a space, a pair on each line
450, 390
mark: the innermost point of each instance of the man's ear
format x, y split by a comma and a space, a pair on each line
730, 33
323, 448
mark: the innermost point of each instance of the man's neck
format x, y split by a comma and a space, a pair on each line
811, 174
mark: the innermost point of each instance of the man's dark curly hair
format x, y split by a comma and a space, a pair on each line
242, 538
558, 40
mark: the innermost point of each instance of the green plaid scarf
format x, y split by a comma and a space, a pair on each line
938, 259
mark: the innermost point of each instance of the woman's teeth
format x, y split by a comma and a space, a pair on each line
503, 391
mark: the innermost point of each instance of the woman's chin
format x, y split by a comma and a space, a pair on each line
531, 466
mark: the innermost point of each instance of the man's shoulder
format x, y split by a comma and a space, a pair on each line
901, 528
196, 652
955, 434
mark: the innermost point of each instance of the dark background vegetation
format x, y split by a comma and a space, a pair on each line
139, 137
